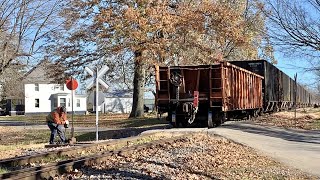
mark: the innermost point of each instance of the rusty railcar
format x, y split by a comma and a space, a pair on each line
207, 93
278, 87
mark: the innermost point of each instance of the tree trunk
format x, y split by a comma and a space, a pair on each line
138, 86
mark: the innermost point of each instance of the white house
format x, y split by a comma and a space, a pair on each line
119, 101
117, 105
42, 96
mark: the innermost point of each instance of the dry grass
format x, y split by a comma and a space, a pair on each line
13, 140
105, 120
5, 129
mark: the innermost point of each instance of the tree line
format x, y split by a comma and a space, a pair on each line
132, 36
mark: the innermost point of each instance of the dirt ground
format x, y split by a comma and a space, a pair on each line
14, 150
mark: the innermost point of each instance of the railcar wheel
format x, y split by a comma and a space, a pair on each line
174, 122
255, 113
184, 123
210, 121
224, 117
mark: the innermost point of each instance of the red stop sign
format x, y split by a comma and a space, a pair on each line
71, 84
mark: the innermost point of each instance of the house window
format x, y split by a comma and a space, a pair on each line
62, 87
55, 102
63, 102
37, 104
36, 87
78, 102
69, 102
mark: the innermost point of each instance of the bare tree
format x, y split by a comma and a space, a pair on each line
295, 26
11, 83
23, 26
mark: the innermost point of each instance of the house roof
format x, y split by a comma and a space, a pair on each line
119, 93
66, 94
80, 95
38, 74
61, 94
41, 73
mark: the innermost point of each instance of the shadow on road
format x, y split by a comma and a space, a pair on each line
19, 123
118, 133
285, 134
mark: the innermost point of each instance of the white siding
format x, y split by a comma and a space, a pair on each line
83, 103
46, 95
118, 105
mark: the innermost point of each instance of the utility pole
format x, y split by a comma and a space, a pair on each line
295, 96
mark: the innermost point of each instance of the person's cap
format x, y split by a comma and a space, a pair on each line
63, 109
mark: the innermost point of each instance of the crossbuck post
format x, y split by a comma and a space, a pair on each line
97, 79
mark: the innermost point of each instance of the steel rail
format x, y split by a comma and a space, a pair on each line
72, 151
54, 169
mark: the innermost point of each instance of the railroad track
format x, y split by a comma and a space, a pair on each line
129, 136
65, 166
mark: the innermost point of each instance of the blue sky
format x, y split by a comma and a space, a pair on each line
290, 63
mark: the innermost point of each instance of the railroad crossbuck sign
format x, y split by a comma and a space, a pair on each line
98, 74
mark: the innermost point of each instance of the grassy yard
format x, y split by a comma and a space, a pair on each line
105, 120
26, 137
121, 125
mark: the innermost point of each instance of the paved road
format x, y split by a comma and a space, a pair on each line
300, 149
296, 148
34, 126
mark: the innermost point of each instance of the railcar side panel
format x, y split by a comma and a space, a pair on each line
243, 89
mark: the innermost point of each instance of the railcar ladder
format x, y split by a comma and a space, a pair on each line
164, 83
216, 86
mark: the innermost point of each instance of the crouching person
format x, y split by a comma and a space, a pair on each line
57, 120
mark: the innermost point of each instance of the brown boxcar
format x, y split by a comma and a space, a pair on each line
207, 93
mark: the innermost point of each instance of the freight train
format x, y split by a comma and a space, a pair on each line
278, 88
212, 94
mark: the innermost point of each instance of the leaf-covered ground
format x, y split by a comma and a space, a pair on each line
198, 157
306, 118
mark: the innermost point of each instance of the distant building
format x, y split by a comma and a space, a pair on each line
119, 101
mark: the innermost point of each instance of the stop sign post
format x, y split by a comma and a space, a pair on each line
72, 85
